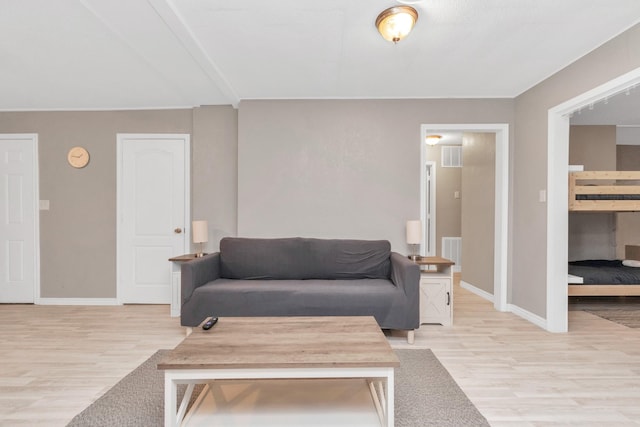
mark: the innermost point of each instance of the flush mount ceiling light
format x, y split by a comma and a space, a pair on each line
396, 22
433, 139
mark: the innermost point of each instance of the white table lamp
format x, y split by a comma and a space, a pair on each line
414, 236
200, 231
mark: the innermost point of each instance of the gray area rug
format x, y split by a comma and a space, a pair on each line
426, 395
628, 318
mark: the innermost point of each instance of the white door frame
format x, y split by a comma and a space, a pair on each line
501, 240
558, 194
429, 232
32, 139
121, 139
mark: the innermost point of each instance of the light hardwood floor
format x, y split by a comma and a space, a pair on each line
54, 361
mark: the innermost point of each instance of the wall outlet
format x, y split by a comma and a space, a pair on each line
456, 194
44, 205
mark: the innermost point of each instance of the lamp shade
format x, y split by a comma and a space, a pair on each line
414, 232
200, 231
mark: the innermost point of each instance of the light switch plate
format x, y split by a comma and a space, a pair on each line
542, 197
44, 205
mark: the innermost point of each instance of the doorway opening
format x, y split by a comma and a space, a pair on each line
501, 221
558, 193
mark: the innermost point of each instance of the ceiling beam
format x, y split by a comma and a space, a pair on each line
177, 25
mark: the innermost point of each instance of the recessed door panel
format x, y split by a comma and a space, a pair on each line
153, 206
18, 218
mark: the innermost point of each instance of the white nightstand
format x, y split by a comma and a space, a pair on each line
436, 290
176, 277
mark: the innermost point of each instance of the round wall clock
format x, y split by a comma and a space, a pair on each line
78, 157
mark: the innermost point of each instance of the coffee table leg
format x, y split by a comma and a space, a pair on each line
382, 392
170, 401
390, 398
376, 400
182, 410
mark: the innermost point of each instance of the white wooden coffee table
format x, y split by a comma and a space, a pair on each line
280, 348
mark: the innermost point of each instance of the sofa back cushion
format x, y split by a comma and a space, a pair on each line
304, 258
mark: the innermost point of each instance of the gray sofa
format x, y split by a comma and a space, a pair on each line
303, 277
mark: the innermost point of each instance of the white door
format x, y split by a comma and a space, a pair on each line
153, 214
19, 248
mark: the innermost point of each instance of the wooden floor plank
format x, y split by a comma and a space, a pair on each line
56, 360
517, 374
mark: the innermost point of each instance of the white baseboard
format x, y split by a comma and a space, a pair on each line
475, 290
527, 315
77, 301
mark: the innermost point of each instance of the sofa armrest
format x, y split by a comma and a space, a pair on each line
405, 274
198, 272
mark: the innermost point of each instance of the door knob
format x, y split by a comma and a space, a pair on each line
178, 230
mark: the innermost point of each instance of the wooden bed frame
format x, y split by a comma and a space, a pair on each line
631, 252
604, 183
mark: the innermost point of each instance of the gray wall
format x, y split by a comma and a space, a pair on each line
592, 234
341, 169
214, 171
478, 209
317, 168
594, 147
628, 223
78, 233
529, 243
596, 235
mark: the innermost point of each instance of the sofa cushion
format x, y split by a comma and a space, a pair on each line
364, 297
304, 258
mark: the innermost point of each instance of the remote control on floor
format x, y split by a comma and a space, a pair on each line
209, 323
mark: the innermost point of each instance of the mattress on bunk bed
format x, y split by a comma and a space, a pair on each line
600, 271
607, 196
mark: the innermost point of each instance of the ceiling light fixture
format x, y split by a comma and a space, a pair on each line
396, 22
433, 139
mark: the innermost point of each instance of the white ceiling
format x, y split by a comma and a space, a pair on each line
130, 54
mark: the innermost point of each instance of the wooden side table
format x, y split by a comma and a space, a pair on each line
440, 263
176, 278
436, 290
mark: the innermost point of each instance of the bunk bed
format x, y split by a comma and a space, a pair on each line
605, 191
606, 277
602, 191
